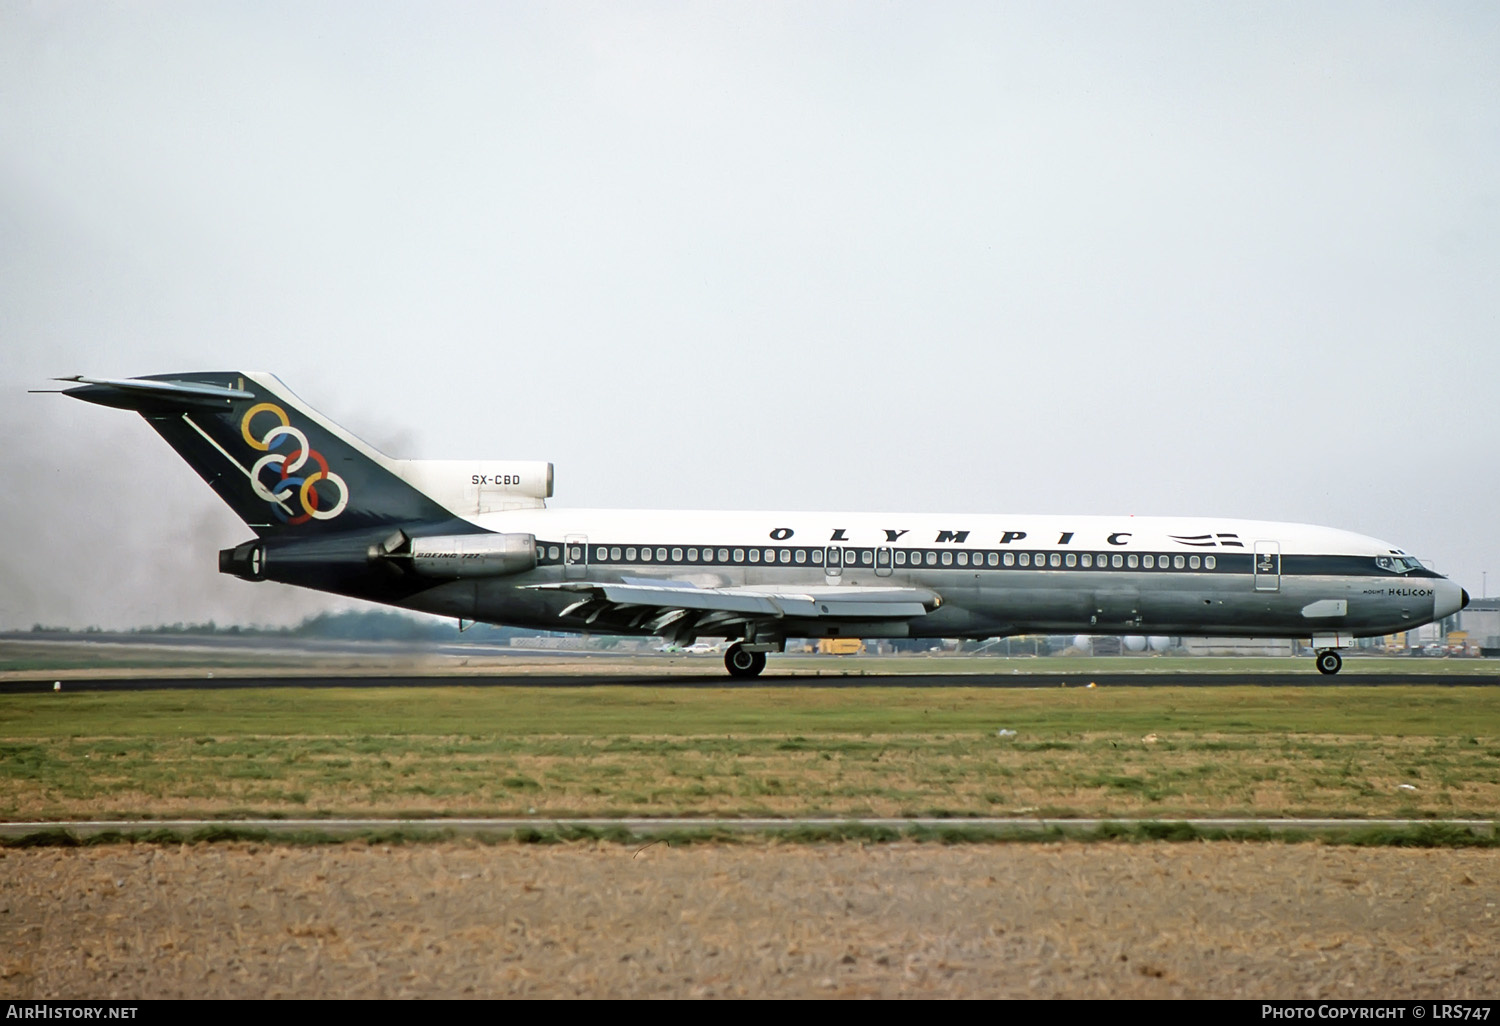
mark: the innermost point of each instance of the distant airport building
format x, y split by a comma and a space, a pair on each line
1239, 646
570, 643
1480, 622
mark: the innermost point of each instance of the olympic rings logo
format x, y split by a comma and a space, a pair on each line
290, 483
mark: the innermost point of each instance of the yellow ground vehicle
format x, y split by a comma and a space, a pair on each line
840, 646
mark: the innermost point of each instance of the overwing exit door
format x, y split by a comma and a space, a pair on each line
576, 556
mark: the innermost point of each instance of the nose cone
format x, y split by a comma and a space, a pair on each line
1464, 594
1449, 599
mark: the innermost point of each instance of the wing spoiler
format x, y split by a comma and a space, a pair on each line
838, 602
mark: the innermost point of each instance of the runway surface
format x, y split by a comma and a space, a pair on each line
720, 680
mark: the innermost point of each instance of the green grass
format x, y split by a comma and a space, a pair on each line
1134, 753
629, 712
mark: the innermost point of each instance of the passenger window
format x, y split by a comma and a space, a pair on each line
963, 559
755, 555
1132, 561
724, 555
1088, 560
1010, 559
993, 559
601, 554
630, 554
552, 552
1117, 561
932, 559
802, 555
817, 555
692, 555
1025, 558
1055, 559
947, 559
614, 554
661, 555
1193, 562
1150, 562
1177, 562
786, 555
866, 557
900, 557
1209, 562
677, 555
1072, 559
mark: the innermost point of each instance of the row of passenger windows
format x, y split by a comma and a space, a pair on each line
901, 557
1087, 560
614, 554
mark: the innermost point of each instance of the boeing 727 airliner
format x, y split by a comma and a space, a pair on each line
474, 540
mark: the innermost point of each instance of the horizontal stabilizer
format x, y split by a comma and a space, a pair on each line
141, 393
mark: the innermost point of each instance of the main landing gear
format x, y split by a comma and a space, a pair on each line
741, 663
1329, 661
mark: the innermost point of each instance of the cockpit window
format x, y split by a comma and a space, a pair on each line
1398, 564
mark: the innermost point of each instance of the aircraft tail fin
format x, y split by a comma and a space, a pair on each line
281, 467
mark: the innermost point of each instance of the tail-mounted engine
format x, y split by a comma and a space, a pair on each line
444, 557
457, 555
247, 561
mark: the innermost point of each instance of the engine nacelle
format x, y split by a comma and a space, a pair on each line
470, 487
473, 555
247, 561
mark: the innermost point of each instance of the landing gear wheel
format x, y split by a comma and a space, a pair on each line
740, 663
1330, 662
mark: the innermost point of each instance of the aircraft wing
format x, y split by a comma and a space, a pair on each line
680, 607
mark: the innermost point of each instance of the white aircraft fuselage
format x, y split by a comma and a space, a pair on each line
474, 540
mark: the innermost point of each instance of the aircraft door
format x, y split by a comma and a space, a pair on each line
1267, 567
575, 556
833, 561
883, 565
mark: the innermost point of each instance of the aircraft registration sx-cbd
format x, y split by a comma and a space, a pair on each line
475, 540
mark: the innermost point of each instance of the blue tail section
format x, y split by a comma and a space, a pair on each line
283, 468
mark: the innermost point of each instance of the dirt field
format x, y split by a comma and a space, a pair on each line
899, 920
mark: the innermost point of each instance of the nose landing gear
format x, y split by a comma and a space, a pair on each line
1329, 662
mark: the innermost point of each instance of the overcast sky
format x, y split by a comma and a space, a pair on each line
1150, 258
